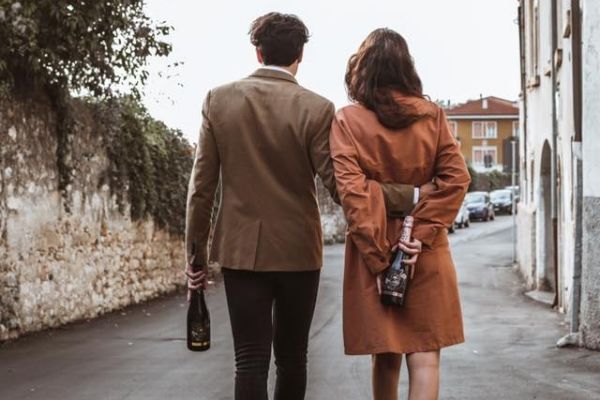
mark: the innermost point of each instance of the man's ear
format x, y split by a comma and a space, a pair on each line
259, 56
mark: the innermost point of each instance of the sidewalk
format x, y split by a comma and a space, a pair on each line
510, 350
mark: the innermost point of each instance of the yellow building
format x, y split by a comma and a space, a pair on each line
485, 128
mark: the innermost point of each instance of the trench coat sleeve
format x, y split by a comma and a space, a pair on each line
437, 210
362, 200
201, 191
320, 156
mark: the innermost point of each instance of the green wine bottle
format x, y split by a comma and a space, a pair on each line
198, 323
198, 317
395, 278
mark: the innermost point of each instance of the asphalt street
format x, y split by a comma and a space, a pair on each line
139, 353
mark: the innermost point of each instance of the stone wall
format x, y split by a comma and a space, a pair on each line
57, 267
526, 262
332, 217
590, 298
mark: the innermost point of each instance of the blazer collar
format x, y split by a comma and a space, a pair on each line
273, 74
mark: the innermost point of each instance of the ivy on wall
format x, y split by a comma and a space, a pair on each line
149, 162
92, 47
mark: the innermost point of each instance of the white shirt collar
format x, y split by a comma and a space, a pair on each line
276, 68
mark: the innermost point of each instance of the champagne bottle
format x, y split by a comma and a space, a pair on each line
198, 318
395, 278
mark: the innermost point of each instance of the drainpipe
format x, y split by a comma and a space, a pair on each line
573, 338
523, 134
554, 158
523, 138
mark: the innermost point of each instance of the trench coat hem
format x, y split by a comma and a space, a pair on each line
422, 347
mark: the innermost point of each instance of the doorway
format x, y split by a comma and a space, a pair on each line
546, 268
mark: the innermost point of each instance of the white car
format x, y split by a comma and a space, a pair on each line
462, 218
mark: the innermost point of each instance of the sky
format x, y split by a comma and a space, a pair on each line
462, 48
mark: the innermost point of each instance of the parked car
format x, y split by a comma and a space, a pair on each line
480, 206
502, 200
462, 219
516, 190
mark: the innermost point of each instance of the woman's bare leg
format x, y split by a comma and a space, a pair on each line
424, 375
386, 374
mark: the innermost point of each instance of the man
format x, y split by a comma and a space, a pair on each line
266, 138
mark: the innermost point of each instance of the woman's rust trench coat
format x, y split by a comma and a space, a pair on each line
364, 153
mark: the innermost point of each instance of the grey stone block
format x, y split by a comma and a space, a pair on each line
590, 297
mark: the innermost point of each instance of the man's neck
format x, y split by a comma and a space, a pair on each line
290, 70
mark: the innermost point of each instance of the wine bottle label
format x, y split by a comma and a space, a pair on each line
199, 334
392, 279
406, 229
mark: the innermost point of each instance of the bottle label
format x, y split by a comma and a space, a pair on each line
199, 334
395, 278
392, 279
406, 229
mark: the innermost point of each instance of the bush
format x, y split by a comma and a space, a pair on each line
100, 49
88, 46
488, 181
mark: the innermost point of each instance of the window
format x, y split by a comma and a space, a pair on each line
485, 156
515, 132
534, 41
485, 130
453, 128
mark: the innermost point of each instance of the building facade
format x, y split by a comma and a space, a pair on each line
485, 128
559, 213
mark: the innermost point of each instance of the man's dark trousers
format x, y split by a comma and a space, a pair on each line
270, 309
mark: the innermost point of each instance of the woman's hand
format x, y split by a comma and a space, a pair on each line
195, 280
413, 248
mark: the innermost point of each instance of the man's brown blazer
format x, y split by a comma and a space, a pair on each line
266, 138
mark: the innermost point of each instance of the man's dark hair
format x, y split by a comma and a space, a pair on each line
280, 37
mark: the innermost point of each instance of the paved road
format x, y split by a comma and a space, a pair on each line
140, 353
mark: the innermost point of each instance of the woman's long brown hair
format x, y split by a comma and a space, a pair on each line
381, 67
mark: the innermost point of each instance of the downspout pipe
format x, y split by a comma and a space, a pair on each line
554, 158
523, 135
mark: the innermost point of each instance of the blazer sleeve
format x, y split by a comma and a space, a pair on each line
201, 191
320, 156
438, 209
362, 200
399, 199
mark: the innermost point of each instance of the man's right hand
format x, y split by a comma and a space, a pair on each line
196, 280
427, 188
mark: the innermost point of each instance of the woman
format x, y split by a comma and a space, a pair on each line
393, 134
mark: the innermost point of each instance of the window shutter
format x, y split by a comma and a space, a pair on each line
477, 130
